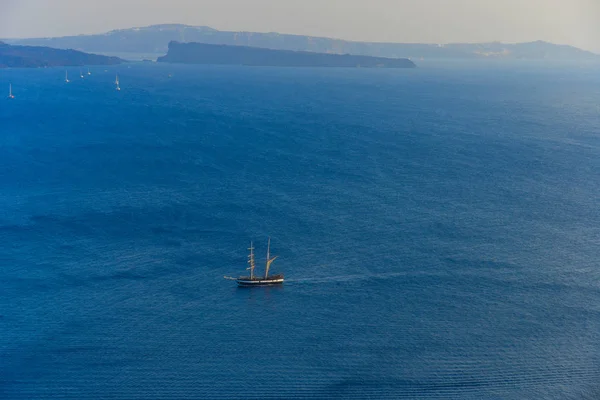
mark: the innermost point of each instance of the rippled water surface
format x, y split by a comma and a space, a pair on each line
439, 230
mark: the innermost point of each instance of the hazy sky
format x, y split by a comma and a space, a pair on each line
575, 22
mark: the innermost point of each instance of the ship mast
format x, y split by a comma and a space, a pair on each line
269, 260
251, 261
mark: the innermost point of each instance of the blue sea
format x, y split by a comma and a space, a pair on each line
438, 228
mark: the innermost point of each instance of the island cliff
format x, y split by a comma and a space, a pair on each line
35, 57
202, 53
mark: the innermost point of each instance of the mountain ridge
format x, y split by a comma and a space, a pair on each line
16, 56
154, 39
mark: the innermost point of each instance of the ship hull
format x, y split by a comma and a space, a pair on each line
270, 281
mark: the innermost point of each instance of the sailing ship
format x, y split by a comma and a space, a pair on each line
67, 76
254, 280
117, 82
80, 74
89, 73
10, 95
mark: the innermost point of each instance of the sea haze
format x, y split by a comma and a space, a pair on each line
438, 228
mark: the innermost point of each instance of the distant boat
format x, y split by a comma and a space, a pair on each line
253, 280
89, 73
67, 76
117, 82
10, 95
80, 74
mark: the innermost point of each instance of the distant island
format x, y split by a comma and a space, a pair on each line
36, 57
153, 41
202, 53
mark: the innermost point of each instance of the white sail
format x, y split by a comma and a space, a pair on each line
251, 261
269, 259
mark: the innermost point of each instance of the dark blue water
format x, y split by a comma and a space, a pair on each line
439, 230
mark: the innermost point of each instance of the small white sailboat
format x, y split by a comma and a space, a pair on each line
10, 95
80, 74
89, 73
67, 76
117, 82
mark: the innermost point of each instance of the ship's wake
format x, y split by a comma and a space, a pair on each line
346, 278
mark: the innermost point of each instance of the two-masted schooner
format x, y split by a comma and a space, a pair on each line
254, 280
